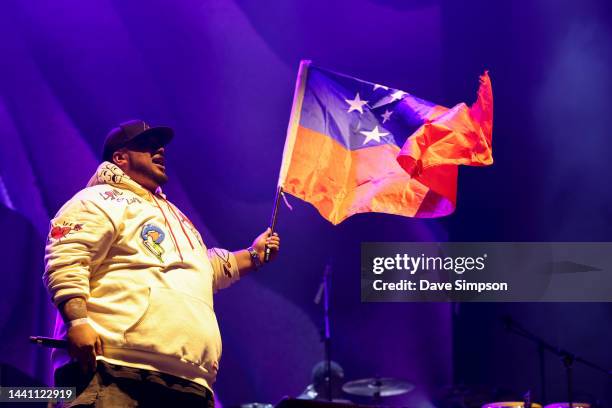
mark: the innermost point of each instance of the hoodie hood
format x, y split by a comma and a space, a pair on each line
110, 174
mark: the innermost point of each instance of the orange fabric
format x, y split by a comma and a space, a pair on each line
341, 182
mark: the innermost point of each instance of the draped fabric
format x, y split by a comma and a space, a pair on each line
364, 147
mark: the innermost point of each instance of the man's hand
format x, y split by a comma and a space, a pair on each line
243, 256
83, 341
84, 345
265, 239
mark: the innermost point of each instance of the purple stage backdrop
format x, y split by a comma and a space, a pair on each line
221, 72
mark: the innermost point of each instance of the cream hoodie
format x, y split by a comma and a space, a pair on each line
146, 275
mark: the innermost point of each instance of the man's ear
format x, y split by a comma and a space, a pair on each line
120, 158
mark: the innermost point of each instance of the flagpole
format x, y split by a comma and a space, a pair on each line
294, 122
279, 191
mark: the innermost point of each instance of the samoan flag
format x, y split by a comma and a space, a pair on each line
356, 146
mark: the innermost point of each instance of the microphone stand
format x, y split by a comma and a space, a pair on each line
567, 357
542, 364
324, 291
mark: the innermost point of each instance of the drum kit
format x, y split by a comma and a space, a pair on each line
373, 392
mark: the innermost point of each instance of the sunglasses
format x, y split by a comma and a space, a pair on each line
145, 144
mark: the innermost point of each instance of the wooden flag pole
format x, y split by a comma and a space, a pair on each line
294, 122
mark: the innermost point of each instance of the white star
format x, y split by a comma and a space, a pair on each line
390, 98
373, 134
387, 115
356, 104
376, 86
397, 95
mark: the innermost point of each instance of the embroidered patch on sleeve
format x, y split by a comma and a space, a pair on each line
224, 256
61, 230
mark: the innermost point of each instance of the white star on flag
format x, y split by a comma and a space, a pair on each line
356, 104
376, 86
390, 98
373, 134
397, 95
387, 115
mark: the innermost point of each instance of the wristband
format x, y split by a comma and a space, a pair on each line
77, 322
254, 257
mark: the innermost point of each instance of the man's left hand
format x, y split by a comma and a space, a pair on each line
266, 239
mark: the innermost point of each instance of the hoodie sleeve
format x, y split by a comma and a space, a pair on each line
225, 268
79, 238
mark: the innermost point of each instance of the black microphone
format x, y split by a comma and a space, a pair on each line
48, 342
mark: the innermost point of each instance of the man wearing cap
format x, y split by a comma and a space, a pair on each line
133, 283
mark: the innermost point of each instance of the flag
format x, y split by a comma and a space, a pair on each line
355, 146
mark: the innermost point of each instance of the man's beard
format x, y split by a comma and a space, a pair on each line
160, 177
147, 170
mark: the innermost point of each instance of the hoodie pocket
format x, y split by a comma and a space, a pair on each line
177, 324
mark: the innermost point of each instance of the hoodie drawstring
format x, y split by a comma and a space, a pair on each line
169, 226
180, 223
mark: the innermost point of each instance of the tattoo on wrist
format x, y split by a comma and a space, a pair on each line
74, 308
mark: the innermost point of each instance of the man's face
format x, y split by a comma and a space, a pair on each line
146, 162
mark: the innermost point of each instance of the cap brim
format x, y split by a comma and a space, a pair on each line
165, 134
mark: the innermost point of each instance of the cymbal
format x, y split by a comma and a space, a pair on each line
377, 387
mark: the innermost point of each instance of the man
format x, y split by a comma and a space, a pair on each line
133, 283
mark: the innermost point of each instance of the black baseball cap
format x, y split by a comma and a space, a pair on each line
131, 130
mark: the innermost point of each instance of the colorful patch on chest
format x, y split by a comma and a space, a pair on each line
152, 237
